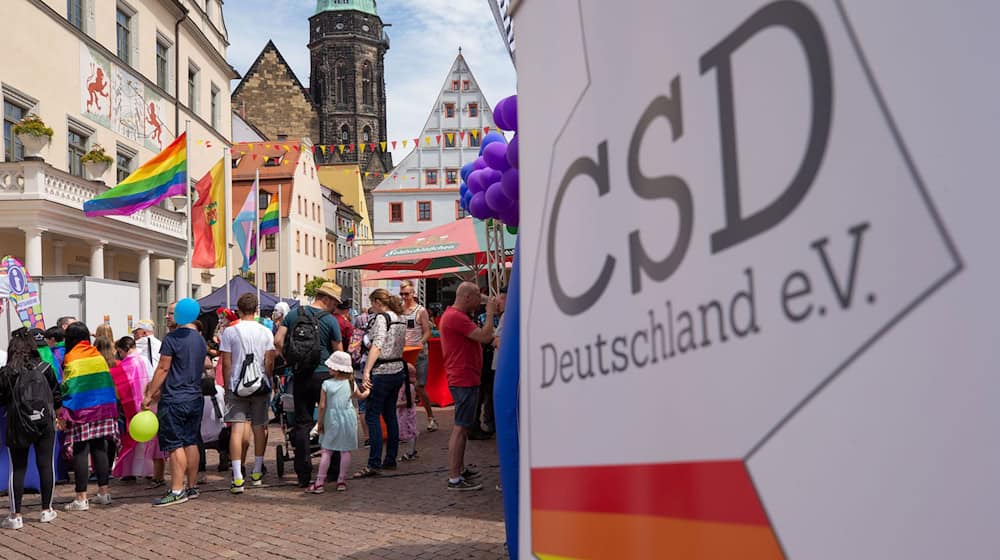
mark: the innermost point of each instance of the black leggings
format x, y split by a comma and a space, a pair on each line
19, 466
81, 462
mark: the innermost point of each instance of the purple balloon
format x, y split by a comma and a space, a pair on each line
478, 206
498, 114
497, 200
489, 176
510, 183
491, 138
510, 217
495, 156
478, 164
512, 152
475, 182
509, 113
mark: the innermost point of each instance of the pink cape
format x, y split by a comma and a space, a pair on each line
131, 376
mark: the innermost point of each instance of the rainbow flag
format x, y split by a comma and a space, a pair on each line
351, 234
269, 219
164, 175
88, 392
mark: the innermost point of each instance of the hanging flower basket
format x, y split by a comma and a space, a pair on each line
33, 135
96, 162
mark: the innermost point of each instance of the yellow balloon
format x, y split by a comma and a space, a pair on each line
143, 426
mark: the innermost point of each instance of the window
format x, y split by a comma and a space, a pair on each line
270, 282
454, 85
272, 161
192, 87
282, 137
366, 135
216, 102
473, 109
298, 282
432, 176
366, 84
474, 139
298, 244
74, 13
162, 64
340, 77
451, 176
449, 139
449, 110
236, 161
459, 211
307, 244
395, 212
123, 27
76, 147
12, 148
162, 301
423, 211
300, 203
345, 134
123, 163
465, 85
314, 246
270, 242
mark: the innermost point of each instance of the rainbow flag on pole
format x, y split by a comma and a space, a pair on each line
164, 175
269, 219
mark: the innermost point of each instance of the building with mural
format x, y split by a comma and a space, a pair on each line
129, 77
422, 192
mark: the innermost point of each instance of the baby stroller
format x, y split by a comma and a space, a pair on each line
284, 409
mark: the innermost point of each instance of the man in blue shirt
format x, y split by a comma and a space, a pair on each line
176, 386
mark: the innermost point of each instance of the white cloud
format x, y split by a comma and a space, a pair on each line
425, 38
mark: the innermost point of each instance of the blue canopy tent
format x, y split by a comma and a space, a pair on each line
237, 287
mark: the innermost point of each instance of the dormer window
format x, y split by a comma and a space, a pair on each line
272, 161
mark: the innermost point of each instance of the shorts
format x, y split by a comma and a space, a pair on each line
466, 400
422, 368
251, 409
180, 423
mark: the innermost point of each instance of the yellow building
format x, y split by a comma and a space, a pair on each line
128, 76
346, 180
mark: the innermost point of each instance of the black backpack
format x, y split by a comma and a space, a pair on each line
32, 413
304, 344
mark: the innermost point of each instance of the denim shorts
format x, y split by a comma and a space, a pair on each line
421, 367
466, 400
180, 423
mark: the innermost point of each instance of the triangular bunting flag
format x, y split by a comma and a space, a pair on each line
323, 148
416, 142
394, 145
361, 148
267, 146
486, 130
342, 147
382, 145
371, 146
438, 139
350, 148
474, 132
285, 146
255, 156
251, 147
461, 135
296, 147
427, 140
451, 137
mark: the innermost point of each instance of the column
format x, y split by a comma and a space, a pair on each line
33, 249
144, 286
97, 258
180, 279
57, 253
109, 267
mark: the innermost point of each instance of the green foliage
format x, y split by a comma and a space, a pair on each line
33, 125
96, 155
313, 285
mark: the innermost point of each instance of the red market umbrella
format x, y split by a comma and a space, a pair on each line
459, 271
461, 243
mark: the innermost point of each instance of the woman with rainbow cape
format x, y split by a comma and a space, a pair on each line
130, 375
89, 415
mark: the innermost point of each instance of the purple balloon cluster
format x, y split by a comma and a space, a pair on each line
490, 184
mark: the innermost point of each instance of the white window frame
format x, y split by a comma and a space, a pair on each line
133, 33
83, 129
197, 86
215, 106
15, 97
163, 40
124, 150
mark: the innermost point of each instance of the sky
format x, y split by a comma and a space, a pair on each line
424, 38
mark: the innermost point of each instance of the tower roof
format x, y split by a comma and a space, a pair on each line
367, 6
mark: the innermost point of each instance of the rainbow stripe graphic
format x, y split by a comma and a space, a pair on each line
88, 391
269, 219
164, 175
705, 510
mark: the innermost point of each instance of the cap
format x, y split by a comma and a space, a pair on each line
144, 325
330, 289
38, 335
346, 304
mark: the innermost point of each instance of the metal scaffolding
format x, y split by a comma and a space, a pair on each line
495, 257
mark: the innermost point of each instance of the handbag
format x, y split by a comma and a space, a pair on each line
252, 380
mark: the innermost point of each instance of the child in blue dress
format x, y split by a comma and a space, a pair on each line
338, 428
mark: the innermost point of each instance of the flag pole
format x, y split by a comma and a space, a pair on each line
255, 242
278, 247
187, 197
228, 216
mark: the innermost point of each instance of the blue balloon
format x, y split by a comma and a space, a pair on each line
466, 169
462, 189
186, 311
505, 404
491, 138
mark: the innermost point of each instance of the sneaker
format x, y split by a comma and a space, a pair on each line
48, 516
499, 487
368, 443
192, 493
464, 486
237, 487
257, 478
432, 425
102, 499
78, 505
471, 473
314, 489
12, 523
170, 499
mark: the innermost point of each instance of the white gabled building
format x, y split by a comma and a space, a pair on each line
422, 191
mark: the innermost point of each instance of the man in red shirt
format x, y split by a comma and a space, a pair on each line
343, 316
461, 344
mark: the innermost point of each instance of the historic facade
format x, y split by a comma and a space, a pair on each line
272, 100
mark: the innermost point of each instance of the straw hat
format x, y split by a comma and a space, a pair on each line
340, 361
330, 289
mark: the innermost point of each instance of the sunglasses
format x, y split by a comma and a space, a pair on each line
406, 293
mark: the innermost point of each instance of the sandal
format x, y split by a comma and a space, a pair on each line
409, 456
341, 487
366, 472
314, 488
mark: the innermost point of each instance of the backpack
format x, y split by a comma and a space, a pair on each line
389, 323
252, 380
32, 411
304, 347
356, 347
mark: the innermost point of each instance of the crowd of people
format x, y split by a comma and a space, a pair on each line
74, 392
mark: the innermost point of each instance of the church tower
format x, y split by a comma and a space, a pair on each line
347, 44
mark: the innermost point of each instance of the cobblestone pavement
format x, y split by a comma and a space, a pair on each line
406, 515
